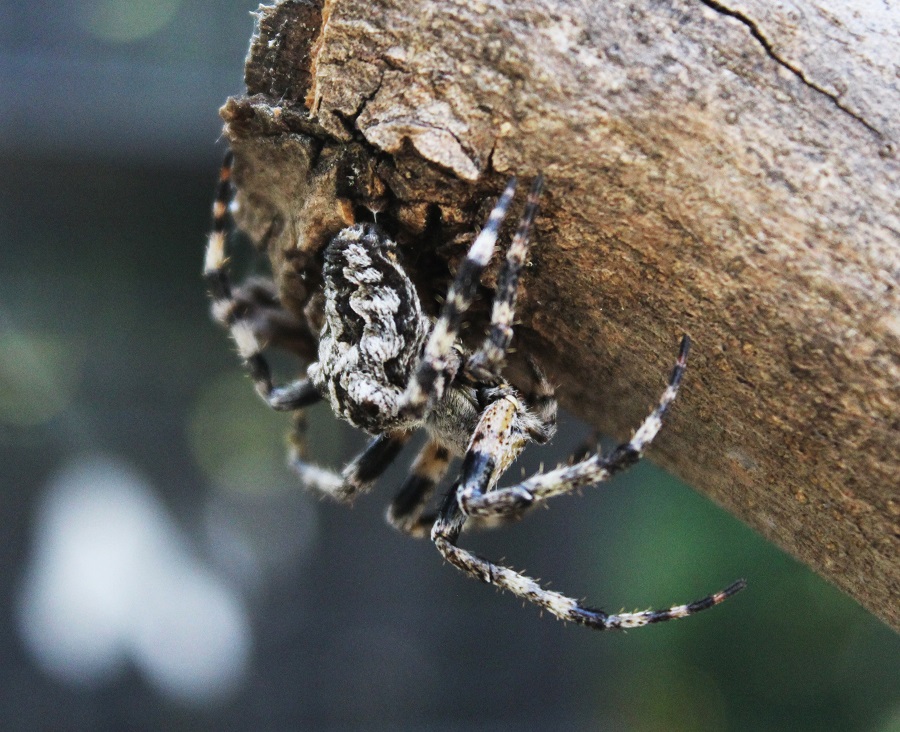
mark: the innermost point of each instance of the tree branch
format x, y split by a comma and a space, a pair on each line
707, 172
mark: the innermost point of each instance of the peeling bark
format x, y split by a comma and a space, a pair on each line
725, 170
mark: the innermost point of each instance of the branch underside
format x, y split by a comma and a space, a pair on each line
698, 180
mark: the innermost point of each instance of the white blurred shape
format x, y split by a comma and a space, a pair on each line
110, 578
193, 639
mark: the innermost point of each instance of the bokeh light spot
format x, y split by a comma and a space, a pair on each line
38, 376
238, 443
123, 21
241, 445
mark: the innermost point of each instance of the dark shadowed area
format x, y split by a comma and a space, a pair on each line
161, 569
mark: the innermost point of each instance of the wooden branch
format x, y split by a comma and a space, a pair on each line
729, 172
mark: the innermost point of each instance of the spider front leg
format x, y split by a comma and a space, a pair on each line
440, 360
483, 464
487, 362
589, 471
359, 474
500, 436
407, 511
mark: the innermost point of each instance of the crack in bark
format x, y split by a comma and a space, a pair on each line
364, 102
770, 51
349, 119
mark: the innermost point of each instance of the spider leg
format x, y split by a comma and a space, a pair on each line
497, 441
591, 470
406, 512
256, 302
487, 361
359, 474
445, 535
542, 403
228, 308
440, 360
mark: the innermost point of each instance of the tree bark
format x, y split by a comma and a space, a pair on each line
725, 170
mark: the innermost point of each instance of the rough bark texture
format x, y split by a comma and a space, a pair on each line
728, 170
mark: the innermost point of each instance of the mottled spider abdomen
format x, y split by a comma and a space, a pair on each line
374, 329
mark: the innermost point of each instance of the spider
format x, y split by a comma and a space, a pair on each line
387, 369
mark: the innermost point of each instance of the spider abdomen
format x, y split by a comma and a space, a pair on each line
373, 332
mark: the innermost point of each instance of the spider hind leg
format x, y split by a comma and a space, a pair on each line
251, 313
440, 361
359, 474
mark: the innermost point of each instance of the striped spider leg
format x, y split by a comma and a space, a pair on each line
494, 446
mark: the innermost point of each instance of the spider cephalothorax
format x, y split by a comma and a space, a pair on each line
386, 368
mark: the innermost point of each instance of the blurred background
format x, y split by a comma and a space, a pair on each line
160, 567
